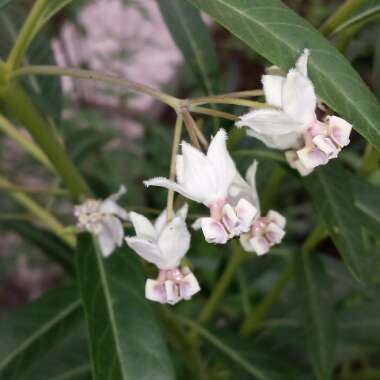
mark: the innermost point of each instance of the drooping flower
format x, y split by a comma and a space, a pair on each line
205, 178
293, 124
164, 245
264, 231
102, 219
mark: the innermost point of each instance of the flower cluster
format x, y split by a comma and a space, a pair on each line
213, 180
292, 124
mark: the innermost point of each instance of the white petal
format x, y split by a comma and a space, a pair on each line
172, 296
250, 176
245, 242
154, 291
277, 218
174, 242
142, 225
272, 85
259, 245
115, 228
170, 185
299, 99
214, 231
179, 168
274, 128
326, 146
110, 207
340, 130
311, 157
189, 286
230, 220
301, 64
114, 197
274, 233
295, 163
199, 176
197, 225
274, 70
149, 251
222, 162
106, 243
246, 212
160, 222
182, 212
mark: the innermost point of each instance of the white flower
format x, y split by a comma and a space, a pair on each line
293, 124
204, 178
164, 245
102, 219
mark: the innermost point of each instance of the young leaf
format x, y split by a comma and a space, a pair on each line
28, 334
125, 340
313, 285
279, 34
192, 38
331, 190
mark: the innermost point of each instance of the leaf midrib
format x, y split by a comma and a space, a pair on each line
111, 313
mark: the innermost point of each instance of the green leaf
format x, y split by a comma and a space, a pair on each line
192, 38
47, 242
124, 336
331, 189
280, 35
68, 360
28, 334
367, 13
314, 288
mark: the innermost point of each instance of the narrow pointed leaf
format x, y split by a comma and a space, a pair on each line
28, 334
192, 38
125, 340
320, 323
279, 34
331, 189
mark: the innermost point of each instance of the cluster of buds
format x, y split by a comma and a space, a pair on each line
226, 221
264, 233
90, 217
322, 142
172, 286
102, 218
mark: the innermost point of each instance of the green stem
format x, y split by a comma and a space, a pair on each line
95, 76
239, 94
11, 131
190, 352
343, 12
210, 112
175, 146
26, 35
253, 322
225, 100
225, 280
39, 212
22, 107
238, 359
